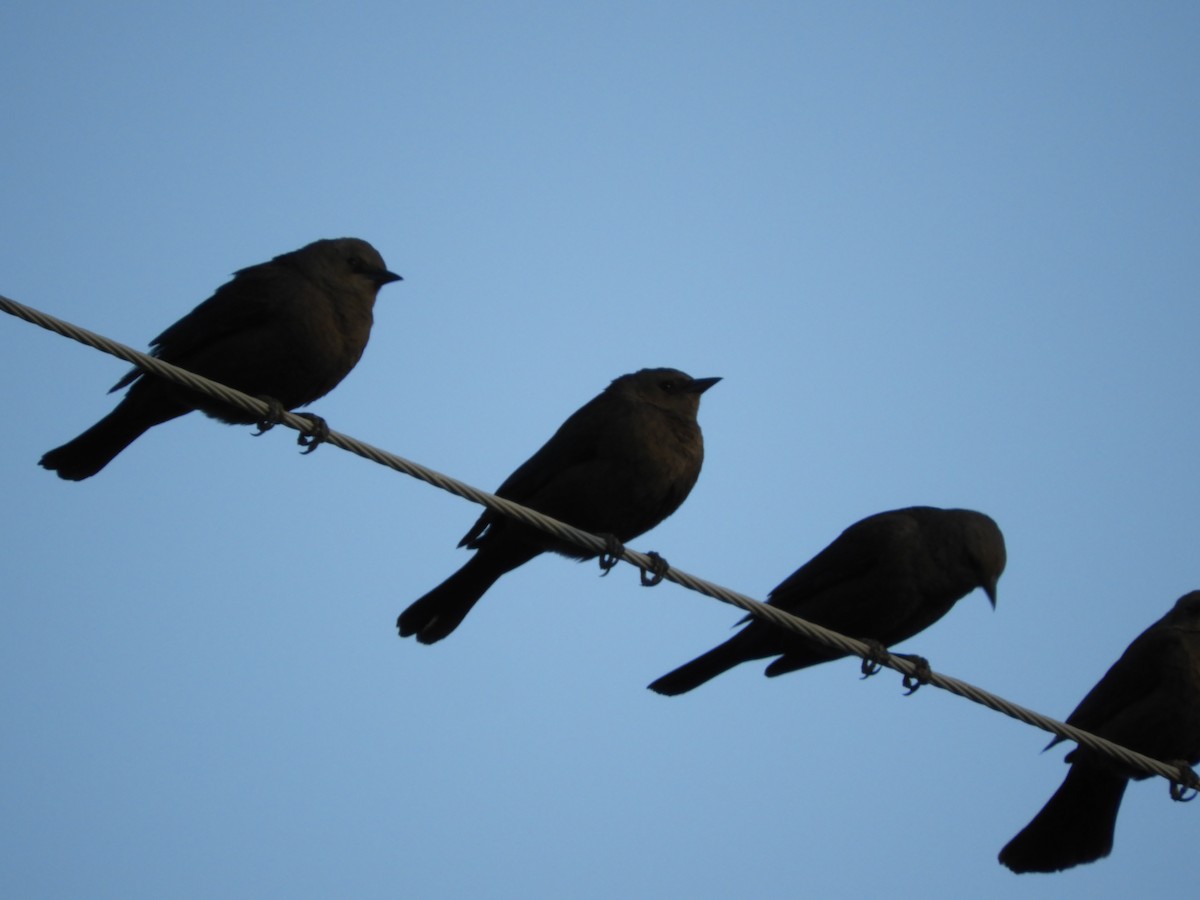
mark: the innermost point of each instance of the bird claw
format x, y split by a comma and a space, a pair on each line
273, 417
921, 675
656, 571
318, 436
1188, 781
1180, 792
612, 553
877, 655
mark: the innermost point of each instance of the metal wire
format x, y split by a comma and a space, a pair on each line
1175, 773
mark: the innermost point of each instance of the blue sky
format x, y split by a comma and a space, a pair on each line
941, 253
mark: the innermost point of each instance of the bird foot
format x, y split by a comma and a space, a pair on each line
613, 549
875, 658
318, 436
921, 675
1188, 781
656, 571
273, 417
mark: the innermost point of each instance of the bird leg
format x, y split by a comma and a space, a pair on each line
657, 570
318, 436
613, 549
1188, 781
273, 417
920, 676
877, 655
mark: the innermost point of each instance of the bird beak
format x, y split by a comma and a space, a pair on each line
386, 277
700, 385
990, 590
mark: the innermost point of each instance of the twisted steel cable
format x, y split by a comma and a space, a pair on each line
1178, 775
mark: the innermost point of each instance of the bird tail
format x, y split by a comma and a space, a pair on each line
1075, 826
703, 668
442, 610
95, 448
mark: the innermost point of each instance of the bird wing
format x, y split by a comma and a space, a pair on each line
859, 552
239, 305
1123, 697
576, 443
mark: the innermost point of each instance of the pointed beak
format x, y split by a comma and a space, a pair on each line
700, 385
990, 589
386, 277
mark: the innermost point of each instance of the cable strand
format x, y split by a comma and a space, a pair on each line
1176, 773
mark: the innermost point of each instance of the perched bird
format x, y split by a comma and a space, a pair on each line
618, 466
287, 330
1149, 701
884, 579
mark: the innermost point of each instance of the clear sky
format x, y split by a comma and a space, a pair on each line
941, 253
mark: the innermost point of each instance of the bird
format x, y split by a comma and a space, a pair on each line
288, 331
1149, 702
883, 579
617, 466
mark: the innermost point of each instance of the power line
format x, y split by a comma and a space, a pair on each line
1177, 774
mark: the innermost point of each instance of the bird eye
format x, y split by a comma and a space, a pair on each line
668, 386
357, 265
